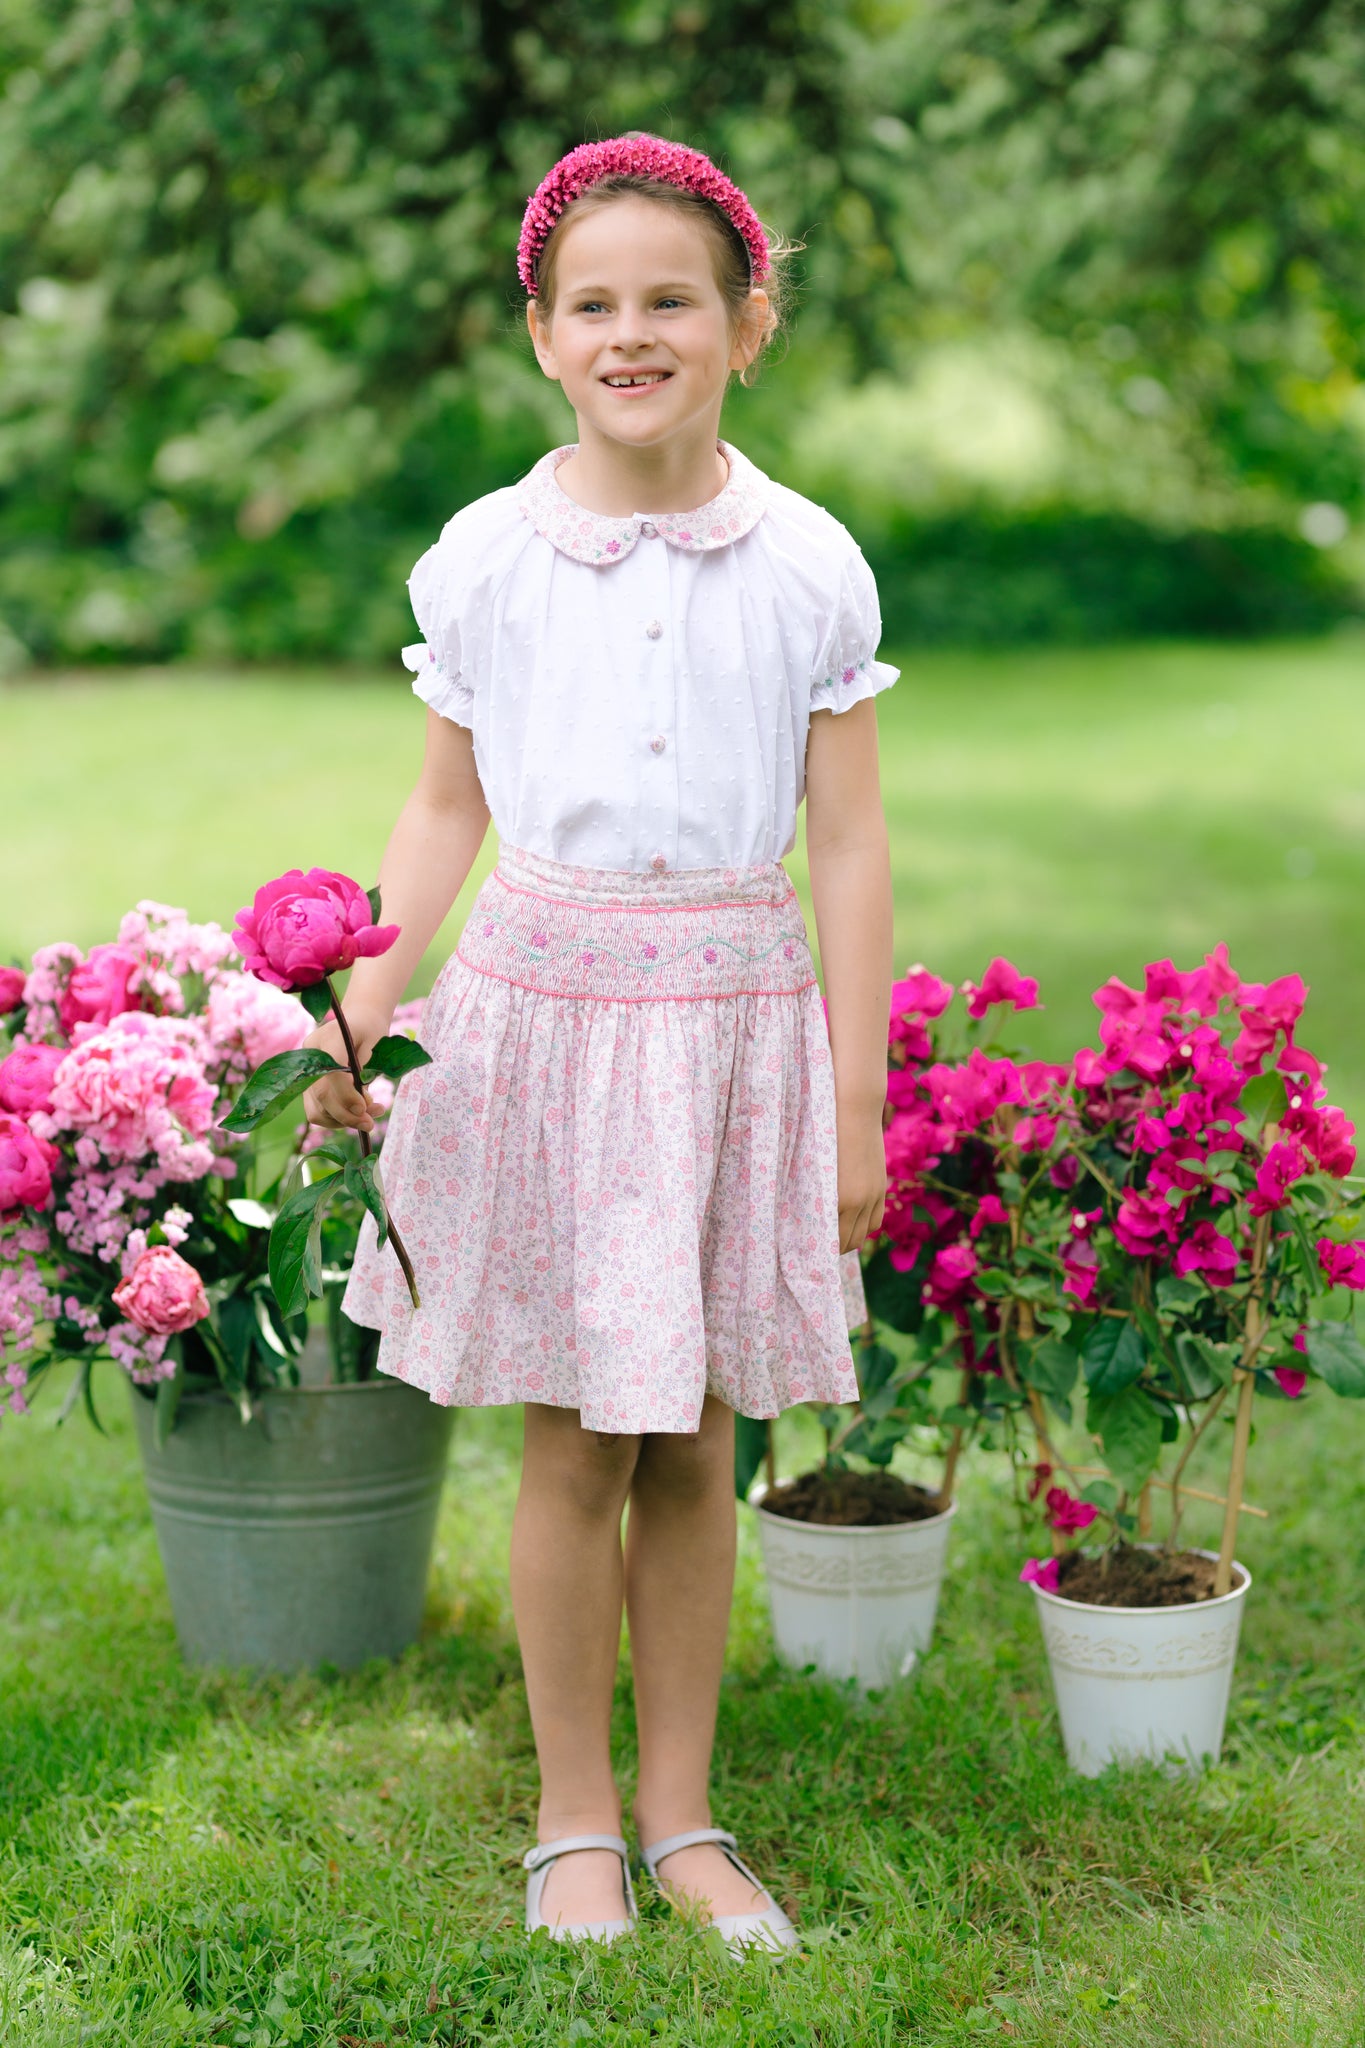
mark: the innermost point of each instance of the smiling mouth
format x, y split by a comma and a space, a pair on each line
636, 380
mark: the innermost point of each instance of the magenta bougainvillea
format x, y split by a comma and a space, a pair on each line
1122, 1237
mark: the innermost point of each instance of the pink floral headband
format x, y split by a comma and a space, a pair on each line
635, 156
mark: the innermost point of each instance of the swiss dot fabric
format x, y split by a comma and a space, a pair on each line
640, 688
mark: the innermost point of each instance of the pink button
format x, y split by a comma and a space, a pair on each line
658, 862
657, 744
654, 630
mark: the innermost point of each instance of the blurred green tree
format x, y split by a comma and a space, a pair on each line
257, 291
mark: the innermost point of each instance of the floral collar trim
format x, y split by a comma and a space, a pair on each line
597, 538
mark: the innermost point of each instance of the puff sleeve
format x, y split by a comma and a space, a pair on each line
847, 669
438, 676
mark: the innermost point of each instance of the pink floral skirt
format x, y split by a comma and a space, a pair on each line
617, 1177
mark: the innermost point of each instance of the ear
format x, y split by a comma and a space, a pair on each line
755, 325
541, 340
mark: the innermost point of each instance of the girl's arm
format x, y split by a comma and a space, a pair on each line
430, 852
850, 882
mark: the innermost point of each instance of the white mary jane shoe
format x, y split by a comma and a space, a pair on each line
769, 1928
538, 1861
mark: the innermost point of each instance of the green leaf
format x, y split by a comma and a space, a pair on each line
373, 899
1175, 1293
751, 1448
1114, 1355
316, 999
1264, 1100
88, 1395
167, 1406
1051, 1367
1338, 1357
276, 1082
1129, 1428
893, 1297
359, 1179
290, 1263
875, 1365
395, 1056
1206, 1366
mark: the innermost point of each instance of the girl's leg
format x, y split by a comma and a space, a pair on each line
680, 1568
566, 1575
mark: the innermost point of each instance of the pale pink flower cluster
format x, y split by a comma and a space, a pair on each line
248, 1022
25, 1301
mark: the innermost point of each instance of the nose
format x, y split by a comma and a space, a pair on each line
632, 329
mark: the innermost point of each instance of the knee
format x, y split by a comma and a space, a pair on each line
690, 1466
588, 1471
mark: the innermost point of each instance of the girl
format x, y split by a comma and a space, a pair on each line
628, 1175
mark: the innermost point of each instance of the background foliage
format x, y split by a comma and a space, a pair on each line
1078, 344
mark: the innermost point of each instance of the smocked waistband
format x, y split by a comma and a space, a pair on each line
610, 935
624, 889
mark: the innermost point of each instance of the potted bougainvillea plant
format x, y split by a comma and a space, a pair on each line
854, 1554
161, 1207
1211, 1259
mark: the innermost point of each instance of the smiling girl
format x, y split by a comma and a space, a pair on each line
628, 1175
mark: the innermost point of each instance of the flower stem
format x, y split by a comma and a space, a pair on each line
1241, 1437
353, 1061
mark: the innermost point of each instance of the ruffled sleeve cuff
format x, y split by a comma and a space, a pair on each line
451, 696
848, 685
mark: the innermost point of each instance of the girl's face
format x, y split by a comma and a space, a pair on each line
639, 336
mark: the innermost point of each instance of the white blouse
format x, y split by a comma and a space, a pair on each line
640, 689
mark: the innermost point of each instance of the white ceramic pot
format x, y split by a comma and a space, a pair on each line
1135, 1682
857, 1602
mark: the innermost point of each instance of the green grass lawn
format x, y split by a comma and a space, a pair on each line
191, 1859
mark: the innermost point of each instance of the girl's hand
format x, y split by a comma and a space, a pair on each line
862, 1175
335, 1102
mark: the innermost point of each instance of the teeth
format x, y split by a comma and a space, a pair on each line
652, 377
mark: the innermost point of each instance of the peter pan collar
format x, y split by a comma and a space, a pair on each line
597, 538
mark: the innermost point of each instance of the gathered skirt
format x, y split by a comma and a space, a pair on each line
617, 1177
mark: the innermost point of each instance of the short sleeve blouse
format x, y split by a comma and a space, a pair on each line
640, 688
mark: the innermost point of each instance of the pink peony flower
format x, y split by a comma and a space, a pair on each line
12, 981
1290, 1380
26, 1164
1042, 1572
1342, 1264
1066, 1513
101, 987
1207, 1251
301, 928
1001, 983
26, 1077
163, 1294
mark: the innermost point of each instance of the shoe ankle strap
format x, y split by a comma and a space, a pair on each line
545, 1852
656, 1851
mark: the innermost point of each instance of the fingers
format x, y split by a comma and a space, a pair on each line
335, 1107
857, 1224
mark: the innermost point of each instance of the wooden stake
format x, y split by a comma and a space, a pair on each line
1145, 1513
1241, 1437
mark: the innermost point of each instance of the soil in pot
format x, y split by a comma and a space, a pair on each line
1129, 1577
850, 1499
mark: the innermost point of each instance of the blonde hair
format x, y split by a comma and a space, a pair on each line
730, 257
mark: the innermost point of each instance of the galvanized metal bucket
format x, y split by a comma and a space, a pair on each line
304, 1536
